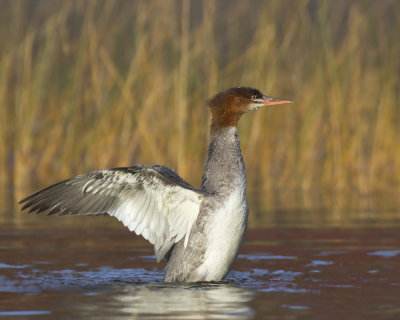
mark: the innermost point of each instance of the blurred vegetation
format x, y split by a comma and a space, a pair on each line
95, 84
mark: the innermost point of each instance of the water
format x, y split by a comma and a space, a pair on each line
92, 267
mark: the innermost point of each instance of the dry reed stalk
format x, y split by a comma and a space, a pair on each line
98, 84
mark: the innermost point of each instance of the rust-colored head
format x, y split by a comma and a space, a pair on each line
228, 106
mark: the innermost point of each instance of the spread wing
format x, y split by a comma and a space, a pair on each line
151, 201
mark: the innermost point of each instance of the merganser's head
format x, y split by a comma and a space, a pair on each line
228, 106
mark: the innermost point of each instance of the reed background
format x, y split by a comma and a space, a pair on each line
95, 84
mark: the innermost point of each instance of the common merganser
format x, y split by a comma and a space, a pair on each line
197, 230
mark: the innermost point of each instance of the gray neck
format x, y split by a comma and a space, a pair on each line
224, 171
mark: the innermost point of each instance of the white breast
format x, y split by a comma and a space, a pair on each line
224, 236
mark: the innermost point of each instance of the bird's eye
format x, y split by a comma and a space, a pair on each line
253, 97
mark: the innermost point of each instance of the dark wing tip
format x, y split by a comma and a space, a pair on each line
26, 206
31, 198
27, 198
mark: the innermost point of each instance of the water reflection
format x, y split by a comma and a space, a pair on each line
385, 253
123, 293
222, 301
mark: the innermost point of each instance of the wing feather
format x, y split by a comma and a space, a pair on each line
151, 201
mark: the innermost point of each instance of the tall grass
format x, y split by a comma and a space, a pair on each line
96, 84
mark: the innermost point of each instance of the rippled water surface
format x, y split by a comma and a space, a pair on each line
92, 267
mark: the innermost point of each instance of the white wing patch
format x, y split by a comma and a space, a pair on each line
162, 214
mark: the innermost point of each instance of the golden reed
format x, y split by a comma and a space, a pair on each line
96, 84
